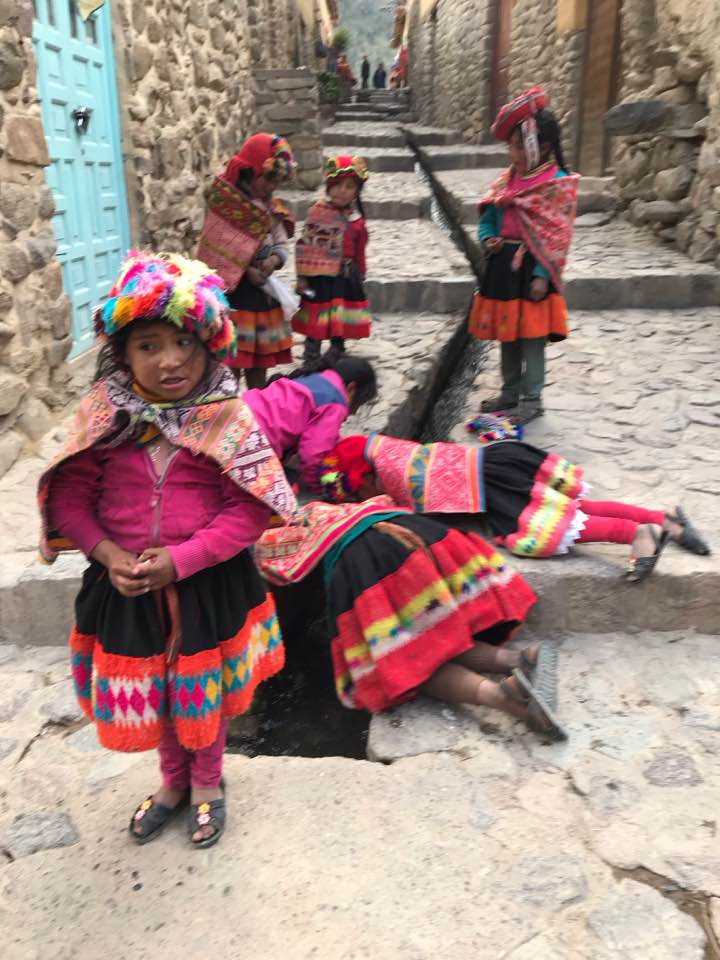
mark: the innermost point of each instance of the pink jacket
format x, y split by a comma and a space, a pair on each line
302, 416
192, 508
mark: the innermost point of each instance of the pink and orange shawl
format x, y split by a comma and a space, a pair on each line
429, 478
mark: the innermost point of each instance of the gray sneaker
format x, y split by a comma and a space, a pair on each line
498, 404
527, 410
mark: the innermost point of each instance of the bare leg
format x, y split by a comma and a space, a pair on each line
456, 684
486, 658
255, 378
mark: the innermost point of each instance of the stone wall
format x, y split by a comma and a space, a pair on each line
287, 104
542, 54
670, 176
187, 102
450, 66
34, 311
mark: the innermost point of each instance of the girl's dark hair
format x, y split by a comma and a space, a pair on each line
355, 370
244, 178
111, 357
549, 133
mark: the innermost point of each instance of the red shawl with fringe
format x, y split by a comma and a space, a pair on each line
546, 213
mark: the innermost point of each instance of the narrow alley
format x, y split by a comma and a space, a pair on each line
462, 836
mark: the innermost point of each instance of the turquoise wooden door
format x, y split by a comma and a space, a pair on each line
76, 82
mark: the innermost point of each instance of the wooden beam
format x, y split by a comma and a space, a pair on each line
572, 15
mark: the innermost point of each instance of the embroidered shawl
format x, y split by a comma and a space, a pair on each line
319, 251
546, 214
214, 422
288, 554
234, 230
429, 478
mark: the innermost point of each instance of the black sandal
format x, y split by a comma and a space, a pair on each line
542, 671
690, 538
153, 817
541, 717
640, 568
208, 813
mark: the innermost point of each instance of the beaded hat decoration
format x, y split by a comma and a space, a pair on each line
343, 469
263, 153
170, 288
489, 429
522, 108
345, 166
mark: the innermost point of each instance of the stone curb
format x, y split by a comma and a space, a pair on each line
576, 594
436, 296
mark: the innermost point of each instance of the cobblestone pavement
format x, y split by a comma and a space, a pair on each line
634, 396
602, 848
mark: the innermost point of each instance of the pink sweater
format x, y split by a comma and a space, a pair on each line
302, 416
192, 508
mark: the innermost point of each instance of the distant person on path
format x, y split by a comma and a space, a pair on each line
164, 483
533, 501
416, 608
526, 227
380, 78
301, 414
245, 239
330, 263
365, 72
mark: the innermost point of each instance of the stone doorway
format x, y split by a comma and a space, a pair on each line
599, 86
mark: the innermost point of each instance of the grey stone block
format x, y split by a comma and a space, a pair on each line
32, 832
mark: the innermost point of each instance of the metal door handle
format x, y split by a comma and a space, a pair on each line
81, 116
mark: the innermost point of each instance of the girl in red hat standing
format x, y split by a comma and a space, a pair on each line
330, 263
245, 240
526, 224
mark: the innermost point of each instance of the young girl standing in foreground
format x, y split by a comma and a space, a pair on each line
330, 263
165, 481
245, 240
526, 223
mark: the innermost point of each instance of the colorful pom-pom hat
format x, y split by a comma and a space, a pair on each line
170, 288
343, 165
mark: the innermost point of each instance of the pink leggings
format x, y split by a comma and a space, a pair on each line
182, 768
611, 522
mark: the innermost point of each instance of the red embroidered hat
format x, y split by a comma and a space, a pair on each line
345, 166
519, 109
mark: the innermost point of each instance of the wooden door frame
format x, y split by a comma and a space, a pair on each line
614, 84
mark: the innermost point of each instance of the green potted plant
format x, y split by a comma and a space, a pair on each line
328, 94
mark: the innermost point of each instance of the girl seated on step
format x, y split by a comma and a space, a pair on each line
415, 607
526, 224
533, 501
164, 483
330, 263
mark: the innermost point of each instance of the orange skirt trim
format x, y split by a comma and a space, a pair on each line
508, 320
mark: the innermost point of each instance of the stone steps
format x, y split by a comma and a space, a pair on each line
380, 159
461, 156
386, 196
361, 135
620, 268
419, 135
358, 116
461, 189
